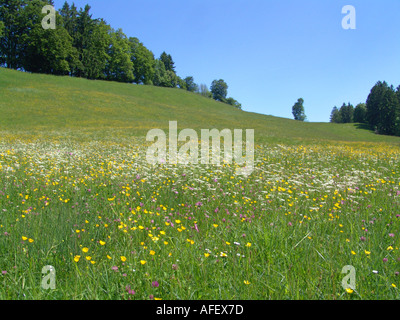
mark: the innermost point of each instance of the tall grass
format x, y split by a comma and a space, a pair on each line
77, 194
111, 225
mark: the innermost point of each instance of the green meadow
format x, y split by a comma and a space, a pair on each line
77, 194
36, 104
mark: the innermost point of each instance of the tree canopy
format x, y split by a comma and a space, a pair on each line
143, 62
335, 115
360, 113
219, 90
298, 110
190, 84
169, 64
346, 113
1, 28
381, 110
83, 46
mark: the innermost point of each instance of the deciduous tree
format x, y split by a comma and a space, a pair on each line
234, 103
298, 110
203, 90
219, 90
45, 50
119, 66
143, 62
190, 84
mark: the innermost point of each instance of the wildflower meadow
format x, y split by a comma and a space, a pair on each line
112, 226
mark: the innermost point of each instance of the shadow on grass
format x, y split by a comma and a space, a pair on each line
363, 126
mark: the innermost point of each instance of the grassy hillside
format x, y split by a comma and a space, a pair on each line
31, 103
78, 194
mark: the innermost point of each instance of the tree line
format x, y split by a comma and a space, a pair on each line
381, 112
81, 46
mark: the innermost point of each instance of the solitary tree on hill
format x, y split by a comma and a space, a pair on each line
298, 110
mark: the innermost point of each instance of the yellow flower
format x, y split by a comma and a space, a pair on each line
143, 262
352, 252
88, 258
76, 258
102, 243
215, 225
228, 243
85, 250
152, 252
248, 244
24, 238
30, 240
350, 291
246, 282
367, 252
393, 285
389, 248
157, 298
206, 255
123, 259
108, 257
178, 221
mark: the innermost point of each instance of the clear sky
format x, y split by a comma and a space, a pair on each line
270, 53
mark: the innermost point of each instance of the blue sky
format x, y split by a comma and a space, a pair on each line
270, 53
